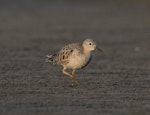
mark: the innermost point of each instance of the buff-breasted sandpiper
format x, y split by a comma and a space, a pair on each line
74, 56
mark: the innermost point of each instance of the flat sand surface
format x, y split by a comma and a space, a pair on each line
114, 83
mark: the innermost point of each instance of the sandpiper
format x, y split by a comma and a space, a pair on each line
74, 56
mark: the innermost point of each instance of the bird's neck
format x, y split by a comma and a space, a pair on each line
86, 51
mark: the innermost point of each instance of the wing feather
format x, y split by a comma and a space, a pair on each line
64, 54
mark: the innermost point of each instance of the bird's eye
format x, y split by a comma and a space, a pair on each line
90, 43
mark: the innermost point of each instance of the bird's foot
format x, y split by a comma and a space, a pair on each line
74, 83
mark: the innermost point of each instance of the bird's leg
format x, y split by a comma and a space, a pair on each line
74, 81
73, 72
73, 75
66, 73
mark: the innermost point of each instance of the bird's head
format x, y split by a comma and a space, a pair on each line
90, 45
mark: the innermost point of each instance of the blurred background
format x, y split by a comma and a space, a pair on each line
30, 29
25, 23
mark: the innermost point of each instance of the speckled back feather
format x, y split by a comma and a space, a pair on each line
63, 55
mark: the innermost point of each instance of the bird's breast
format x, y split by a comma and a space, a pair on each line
78, 61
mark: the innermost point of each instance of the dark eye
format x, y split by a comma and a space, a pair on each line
90, 43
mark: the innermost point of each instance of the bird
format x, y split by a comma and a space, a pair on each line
74, 56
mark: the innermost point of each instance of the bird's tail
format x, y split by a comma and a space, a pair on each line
50, 58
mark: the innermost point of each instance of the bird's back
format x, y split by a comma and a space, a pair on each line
62, 56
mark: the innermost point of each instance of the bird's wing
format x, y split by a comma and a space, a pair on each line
64, 54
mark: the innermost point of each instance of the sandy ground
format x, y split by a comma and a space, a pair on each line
114, 83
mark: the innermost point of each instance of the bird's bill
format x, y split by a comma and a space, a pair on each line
98, 49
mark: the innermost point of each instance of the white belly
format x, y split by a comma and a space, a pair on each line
78, 61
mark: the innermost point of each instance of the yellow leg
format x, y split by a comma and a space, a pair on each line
73, 72
66, 73
74, 81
